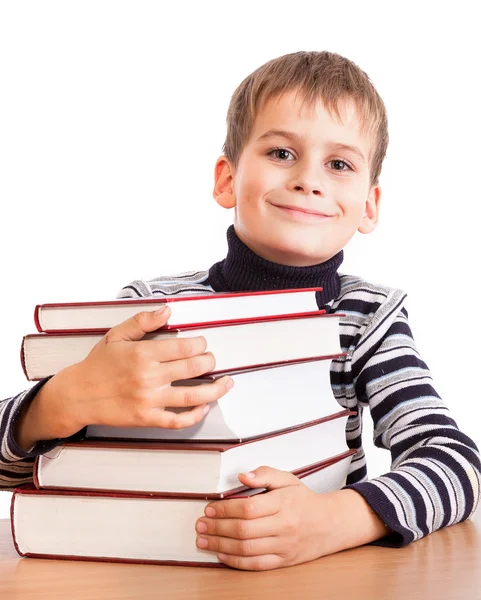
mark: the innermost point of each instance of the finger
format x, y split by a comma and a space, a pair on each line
255, 547
166, 419
159, 374
171, 349
187, 396
262, 505
269, 478
239, 529
187, 368
252, 563
136, 327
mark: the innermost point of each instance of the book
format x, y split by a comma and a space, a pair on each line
265, 392
235, 345
188, 468
126, 528
185, 310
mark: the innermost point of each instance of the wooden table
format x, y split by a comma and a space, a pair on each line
444, 566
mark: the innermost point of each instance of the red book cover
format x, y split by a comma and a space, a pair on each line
188, 328
31, 490
145, 303
188, 447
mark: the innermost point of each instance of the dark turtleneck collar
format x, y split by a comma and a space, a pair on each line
242, 270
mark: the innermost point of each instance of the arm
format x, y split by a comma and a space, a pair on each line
26, 423
16, 460
435, 473
124, 381
26, 430
291, 524
434, 479
15, 467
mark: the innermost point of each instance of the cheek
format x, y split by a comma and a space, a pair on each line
351, 201
258, 179
252, 188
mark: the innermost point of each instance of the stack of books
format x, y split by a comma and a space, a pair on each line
134, 494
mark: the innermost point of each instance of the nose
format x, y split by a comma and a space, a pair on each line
306, 179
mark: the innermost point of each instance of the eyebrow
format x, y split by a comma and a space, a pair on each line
295, 137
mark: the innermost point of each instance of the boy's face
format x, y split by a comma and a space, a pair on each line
301, 188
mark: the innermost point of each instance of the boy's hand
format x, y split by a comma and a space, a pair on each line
288, 525
125, 382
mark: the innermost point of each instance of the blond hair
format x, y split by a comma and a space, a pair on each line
324, 75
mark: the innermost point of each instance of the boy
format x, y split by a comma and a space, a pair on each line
307, 134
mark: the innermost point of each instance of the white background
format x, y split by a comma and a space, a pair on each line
112, 116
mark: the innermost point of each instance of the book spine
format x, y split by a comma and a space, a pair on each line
198, 324
23, 360
12, 522
36, 318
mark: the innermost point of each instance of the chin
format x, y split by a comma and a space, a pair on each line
297, 253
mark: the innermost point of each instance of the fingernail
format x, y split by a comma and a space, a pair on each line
206, 409
249, 475
209, 511
160, 310
202, 542
230, 384
201, 527
222, 556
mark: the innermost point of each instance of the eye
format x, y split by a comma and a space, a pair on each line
340, 165
280, 154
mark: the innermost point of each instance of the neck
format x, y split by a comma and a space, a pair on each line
242, 270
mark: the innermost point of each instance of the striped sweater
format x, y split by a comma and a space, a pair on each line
436, 471
435, 475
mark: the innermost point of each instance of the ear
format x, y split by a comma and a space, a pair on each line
224, 183
371, 211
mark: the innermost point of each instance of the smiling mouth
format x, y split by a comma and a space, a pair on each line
298, 211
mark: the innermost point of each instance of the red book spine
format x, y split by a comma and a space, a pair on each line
165, 300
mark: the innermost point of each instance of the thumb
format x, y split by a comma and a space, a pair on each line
137, 326
269, 478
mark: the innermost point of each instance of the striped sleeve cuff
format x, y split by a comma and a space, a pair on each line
419, 498
12, 451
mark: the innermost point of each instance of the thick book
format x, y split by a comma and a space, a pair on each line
235, 345
126, 528
185, 310
186, 469
262, 401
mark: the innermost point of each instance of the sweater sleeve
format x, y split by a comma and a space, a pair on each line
435, 472
16, 465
